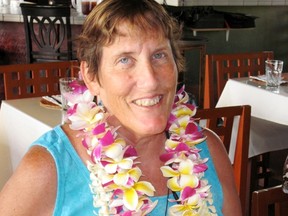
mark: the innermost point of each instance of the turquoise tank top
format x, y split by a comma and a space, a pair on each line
73, 192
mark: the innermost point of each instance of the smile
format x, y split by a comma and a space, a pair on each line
148, 102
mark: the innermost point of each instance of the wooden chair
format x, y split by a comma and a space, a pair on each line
37, 79
270, 199
220, 67
47, 32
224, 129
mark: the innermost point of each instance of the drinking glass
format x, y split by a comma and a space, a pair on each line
66, 89
87, 6
273, 70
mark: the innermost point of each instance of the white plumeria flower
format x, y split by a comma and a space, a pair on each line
86, 97
86, 116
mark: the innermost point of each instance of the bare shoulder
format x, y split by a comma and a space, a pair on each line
216, 146
219, 155
225, 173
32, 188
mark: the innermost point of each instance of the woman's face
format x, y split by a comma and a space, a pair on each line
138, 78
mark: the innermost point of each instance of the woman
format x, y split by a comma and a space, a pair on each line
140, 158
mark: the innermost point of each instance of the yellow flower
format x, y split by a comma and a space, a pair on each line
181, 177
131, 197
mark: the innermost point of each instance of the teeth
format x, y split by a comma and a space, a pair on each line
148, 102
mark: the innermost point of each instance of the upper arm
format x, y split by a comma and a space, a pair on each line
32, 188
231, 205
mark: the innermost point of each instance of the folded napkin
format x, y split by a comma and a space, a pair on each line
263, 79
55, 99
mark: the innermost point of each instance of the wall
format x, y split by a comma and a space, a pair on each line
270, 33
12, 43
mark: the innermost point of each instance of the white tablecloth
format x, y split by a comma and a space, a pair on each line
265, 104
269, 122
21, 122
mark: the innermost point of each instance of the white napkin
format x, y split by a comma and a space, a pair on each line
263, 78
55, 99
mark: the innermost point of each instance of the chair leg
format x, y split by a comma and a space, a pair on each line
254, 174
260, 172
263, 169
266, 170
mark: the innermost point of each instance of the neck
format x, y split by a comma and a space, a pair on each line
152, 146
144, 144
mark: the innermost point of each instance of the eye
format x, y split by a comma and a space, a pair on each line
124, 60
159, 55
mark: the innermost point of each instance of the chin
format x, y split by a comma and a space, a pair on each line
153, 127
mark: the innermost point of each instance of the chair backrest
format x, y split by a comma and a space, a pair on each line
47, 32
262, 201
220, 67
37, 79
221, 121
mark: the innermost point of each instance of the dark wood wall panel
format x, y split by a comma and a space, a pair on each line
12, 43
12, 47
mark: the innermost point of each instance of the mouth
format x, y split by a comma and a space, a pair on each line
147, 102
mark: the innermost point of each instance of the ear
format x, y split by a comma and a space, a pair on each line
91, 83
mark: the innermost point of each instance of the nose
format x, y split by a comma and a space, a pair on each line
147, 76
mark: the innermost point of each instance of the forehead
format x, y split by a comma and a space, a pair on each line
126, 29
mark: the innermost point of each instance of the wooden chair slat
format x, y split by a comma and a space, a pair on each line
37, 79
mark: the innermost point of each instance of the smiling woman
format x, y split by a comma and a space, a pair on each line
147, 68
144, 153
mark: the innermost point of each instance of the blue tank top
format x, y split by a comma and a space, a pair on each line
73, 193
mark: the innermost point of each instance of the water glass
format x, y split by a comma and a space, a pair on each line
273, 70
66, 89
87, 6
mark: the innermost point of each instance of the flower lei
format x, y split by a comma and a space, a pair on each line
114, 172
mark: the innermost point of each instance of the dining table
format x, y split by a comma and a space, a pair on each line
22, 121
269, 111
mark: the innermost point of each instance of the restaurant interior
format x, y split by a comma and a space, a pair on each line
211, 28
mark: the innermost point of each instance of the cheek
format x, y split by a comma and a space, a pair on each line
118, 85
113, 91
169, 77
